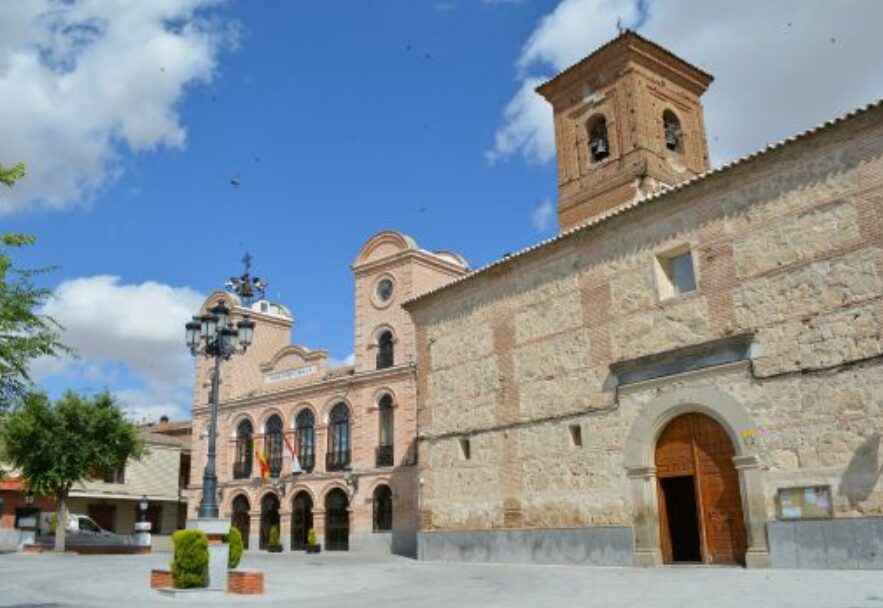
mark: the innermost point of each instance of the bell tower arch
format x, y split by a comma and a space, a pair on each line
628, 122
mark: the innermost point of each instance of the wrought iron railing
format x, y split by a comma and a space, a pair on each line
383, 456
307, 462
337, 461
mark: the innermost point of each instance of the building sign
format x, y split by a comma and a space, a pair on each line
804, 502
290, 374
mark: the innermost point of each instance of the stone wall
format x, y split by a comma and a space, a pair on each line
786, 247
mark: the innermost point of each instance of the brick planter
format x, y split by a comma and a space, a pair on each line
161, 579
245, 582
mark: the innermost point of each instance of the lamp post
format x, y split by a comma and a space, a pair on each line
213, 336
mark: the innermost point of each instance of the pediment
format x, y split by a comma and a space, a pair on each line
294, 362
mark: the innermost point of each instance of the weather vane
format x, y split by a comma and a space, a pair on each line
247, 286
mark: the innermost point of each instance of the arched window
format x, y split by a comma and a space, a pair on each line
599, 144
382, 508
273, 445
338, 456
385, 351
242, 463
305, 427
672, 128
241, 519
384, 456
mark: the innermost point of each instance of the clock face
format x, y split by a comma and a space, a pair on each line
384, 290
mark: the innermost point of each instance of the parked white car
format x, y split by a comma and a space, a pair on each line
81, 530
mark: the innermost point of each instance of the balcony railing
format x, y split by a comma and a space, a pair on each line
307, 462
337, 461
383, 456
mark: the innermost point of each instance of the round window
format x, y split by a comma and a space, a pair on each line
384, 290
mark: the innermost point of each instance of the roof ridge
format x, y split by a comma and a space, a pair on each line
611, 213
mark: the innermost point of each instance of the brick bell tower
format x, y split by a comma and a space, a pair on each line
628, 122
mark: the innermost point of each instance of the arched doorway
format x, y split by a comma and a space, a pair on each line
241, 520
700, 504
337, 521
301, 519
269, 518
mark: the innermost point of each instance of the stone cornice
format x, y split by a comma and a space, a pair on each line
299, 392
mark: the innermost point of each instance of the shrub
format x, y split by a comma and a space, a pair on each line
311, 537
190, 564
53, 525
273, 539
234, 539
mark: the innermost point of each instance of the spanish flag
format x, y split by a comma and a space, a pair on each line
262, 460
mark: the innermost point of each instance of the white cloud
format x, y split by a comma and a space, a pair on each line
134, 328
82, 81
543, 216
780, 67
521, 134
333, 363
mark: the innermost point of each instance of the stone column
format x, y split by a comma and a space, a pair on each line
219, 551
319, 526
285, 528
254, 530
753, 510
646, 513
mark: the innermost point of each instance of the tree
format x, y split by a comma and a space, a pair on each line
24, 333
55, 446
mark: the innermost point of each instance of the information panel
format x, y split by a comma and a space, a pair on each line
804, 502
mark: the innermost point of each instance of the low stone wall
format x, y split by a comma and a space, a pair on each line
597, 546
10, 539
371, 542
847, 543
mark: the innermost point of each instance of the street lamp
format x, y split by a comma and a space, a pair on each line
213, 336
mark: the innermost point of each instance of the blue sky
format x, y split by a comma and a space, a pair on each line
338, 119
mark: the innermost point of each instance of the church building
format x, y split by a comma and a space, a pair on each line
351, 428
691, 371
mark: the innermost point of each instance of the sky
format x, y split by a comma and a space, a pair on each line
163, 139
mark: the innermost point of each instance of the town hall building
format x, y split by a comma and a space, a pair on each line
352, 428
691, 371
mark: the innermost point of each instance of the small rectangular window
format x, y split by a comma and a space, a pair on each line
465, 451
576, 435
682, 278
675, 273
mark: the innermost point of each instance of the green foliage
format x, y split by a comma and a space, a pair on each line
190, 563
10, 175
273, 537
311, 537
234, 539
53, 524
55, 445
25, 334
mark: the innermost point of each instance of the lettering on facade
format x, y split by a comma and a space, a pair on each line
290, 374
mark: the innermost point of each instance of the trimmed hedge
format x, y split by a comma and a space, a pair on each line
234, 539
190, 564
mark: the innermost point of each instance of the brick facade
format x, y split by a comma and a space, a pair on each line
278, 378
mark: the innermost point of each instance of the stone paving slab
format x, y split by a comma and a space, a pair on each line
343, 580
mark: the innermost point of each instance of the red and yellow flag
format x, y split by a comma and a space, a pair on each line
262, 460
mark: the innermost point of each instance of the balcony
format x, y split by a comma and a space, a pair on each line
337, 461
383, 456
307, 462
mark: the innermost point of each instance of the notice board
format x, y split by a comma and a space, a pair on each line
804, 502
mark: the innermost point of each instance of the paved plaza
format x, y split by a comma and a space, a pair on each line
342, 580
